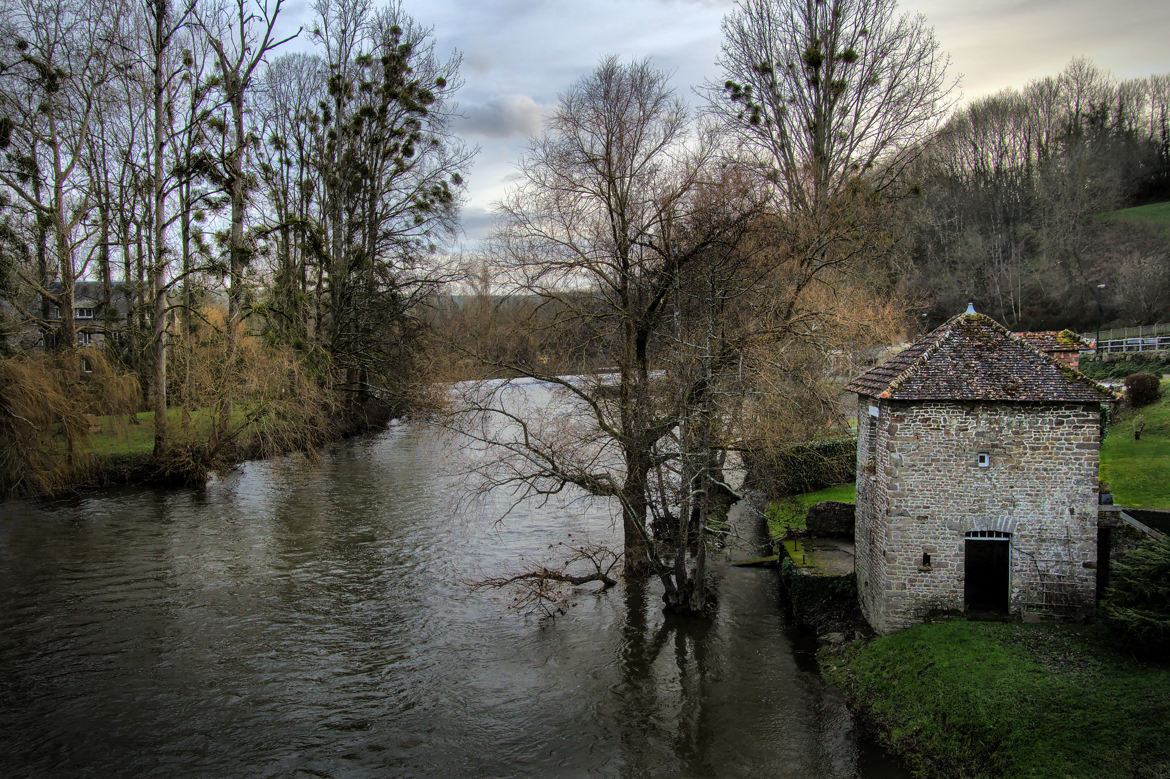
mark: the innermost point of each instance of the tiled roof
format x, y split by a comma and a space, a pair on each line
1050, 341
973, 357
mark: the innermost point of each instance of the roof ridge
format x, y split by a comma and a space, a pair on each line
1069, 372
937, 335
967, 337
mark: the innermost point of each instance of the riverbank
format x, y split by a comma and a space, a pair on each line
788, 515
959, 698
119, 449
316, 618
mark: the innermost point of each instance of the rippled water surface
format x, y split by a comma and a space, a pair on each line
316, 618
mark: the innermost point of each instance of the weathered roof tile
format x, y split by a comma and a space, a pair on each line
1051, 341
973, 357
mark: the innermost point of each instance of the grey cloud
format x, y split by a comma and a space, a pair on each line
705, 3
477, 223
504, 116
479, 62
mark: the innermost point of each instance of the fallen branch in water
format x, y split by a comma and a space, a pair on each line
541, 588
550, 575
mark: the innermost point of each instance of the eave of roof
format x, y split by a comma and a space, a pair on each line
973, 357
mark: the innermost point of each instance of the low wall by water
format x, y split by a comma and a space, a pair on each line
817, 577
831, 519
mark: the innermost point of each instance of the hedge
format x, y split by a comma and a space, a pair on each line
1137, 604
1141, 389
802, 467
1120, 366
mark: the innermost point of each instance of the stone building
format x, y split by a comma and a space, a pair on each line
1061, 345
99, 315
976, 479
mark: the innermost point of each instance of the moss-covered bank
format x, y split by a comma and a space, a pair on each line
958, 698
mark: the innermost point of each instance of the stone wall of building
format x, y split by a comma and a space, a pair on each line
872, 500
928, 491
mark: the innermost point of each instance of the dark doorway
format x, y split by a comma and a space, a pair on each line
986, 572
1104, 544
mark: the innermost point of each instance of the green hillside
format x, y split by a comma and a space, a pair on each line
1139, 471
1155, 215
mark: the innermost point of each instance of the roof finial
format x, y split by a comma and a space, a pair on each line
970, 308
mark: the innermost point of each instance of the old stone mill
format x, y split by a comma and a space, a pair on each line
977, 481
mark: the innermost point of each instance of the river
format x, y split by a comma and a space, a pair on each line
316, 618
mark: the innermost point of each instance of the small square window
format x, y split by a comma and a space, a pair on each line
984, 459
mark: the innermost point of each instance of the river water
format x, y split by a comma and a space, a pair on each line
316, 619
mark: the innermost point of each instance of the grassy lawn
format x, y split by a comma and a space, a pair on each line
959, 698
1155, 215
1139, 471
789, 513
120, 436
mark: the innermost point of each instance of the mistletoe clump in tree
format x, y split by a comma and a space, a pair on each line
365, 174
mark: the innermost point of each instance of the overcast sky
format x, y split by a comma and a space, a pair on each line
519, 55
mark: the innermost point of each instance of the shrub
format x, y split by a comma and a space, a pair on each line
1137, 605
41, 423
45, 403
1120, 366
1141, 389
803, 467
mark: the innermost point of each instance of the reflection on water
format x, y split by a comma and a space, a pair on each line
316, 618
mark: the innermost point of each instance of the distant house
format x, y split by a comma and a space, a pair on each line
95, 319
977, 478
1062, 345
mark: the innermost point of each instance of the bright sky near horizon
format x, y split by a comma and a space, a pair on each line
519, 55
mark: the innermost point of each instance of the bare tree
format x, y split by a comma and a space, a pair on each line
820, 93
241, 33
162, 25
829, 101
55, 68
611, 215
390, 173
293, 84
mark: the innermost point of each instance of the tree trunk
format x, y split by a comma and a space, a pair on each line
634, 508
236, 244
67, 333
158, 264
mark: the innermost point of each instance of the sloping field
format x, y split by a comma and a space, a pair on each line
1156, 215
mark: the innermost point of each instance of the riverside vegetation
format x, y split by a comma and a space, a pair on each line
958, 698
